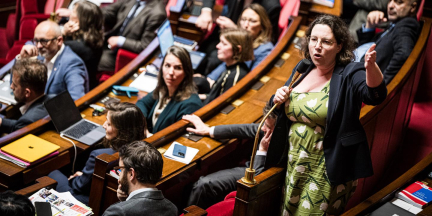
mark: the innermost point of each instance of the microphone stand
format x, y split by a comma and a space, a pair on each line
250, 172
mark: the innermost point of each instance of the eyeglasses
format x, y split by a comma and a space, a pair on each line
323, 42
43, 42
118, 169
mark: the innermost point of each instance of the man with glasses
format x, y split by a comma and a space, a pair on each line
140, 166
395, 44
66, 71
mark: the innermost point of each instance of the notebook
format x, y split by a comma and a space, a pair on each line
68, 121
30, 148
167, 39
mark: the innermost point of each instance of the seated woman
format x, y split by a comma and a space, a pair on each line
255, 20
234, 48
84, 35
124, 124
175, 93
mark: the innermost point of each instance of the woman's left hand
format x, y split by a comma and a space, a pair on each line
374, 75
70, 27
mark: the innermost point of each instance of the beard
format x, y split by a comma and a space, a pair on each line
124, 183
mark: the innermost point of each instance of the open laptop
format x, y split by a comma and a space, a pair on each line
167, 39
68, 121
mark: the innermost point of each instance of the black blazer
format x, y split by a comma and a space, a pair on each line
394, 47
346, 149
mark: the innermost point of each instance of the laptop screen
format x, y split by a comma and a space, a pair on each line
63, 111
165, 37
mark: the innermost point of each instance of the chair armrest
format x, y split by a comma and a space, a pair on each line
41, 182
194, 210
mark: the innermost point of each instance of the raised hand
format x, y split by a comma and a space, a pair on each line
70, 27
205, 21
121, 195
374, 18
374, 76
29, 51
225, 23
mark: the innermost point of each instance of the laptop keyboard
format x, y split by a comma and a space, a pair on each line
80, 129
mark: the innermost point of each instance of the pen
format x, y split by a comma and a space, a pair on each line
58, 209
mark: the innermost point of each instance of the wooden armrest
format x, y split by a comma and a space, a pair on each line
194, 210
262, 198
41, 182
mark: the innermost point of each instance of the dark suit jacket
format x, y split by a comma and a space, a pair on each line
172, 113
241, 131
69, 73
144, 203
90, 56
35, 112
394, 47
346, 149
141, 29
235, 9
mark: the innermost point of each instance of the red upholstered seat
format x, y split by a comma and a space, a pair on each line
289, 8
224, 208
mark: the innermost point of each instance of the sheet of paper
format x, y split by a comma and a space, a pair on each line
144, 83
190, 154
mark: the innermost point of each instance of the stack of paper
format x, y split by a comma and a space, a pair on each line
62, 204
190, 154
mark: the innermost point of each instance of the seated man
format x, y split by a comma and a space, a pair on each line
141, 168
396, 43
66, 71
212, 188
28, 85
12, 204
131, 26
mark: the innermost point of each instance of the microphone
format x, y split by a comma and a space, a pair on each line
303, 66
250, 172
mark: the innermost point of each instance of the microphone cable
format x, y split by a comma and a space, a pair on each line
75, 155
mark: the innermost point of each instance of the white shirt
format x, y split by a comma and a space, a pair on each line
23, 109
135, 192
50, 64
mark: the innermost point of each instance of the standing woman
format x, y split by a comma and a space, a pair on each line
84, 35
124, 124
319, 136
234, 48
175, 93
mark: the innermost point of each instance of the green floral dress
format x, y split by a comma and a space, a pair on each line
308, 190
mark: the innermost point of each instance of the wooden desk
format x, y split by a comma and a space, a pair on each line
211, 152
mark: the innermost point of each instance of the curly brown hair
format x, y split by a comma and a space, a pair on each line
341, 34
129, 121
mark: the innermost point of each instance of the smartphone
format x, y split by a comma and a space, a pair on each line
179, 150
